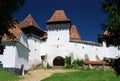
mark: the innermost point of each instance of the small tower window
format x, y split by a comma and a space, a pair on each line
58, 38
83, 47
57, 46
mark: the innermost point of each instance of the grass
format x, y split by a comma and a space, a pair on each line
84, 75
7, 76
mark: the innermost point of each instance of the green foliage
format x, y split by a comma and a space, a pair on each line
77, 63
84, 75
116, 66
7, 10
7, 76
112, 9
68, 62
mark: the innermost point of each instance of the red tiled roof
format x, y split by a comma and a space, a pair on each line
15, 31
15, 34
74, 33
28, 21
86, 42
95, 62
90, 42
58, 16
74, 40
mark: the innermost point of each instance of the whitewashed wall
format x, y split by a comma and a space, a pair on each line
113, 52
57, 44
16, 53
58, 37
34, 54
23, 40
22, 56
53, 51
8, 58
80, 49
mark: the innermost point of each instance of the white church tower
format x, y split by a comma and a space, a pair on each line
34, 34
58, 39
58, 28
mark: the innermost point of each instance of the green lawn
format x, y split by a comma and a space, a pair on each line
7, 76
84, 75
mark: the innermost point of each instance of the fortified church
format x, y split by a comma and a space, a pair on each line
29, 45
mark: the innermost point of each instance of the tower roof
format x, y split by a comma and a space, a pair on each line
74, 33
58, 16
28, 21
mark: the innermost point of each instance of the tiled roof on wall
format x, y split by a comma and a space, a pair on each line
85, 42
96, 62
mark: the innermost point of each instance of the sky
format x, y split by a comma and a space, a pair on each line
85, 14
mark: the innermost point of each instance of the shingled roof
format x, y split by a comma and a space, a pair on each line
58, 16
14, 34
28, 21
74, 33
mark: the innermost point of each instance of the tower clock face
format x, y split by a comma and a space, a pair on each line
58, 26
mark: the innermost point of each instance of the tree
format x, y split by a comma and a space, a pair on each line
116, 66
112, 26
7, 10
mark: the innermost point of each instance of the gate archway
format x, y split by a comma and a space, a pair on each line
58, 61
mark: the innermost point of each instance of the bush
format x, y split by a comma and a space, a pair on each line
77, 63
116, 66
68, 62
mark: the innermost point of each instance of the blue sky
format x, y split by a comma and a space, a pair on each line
85, 14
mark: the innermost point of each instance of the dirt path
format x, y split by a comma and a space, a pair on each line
40, 74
